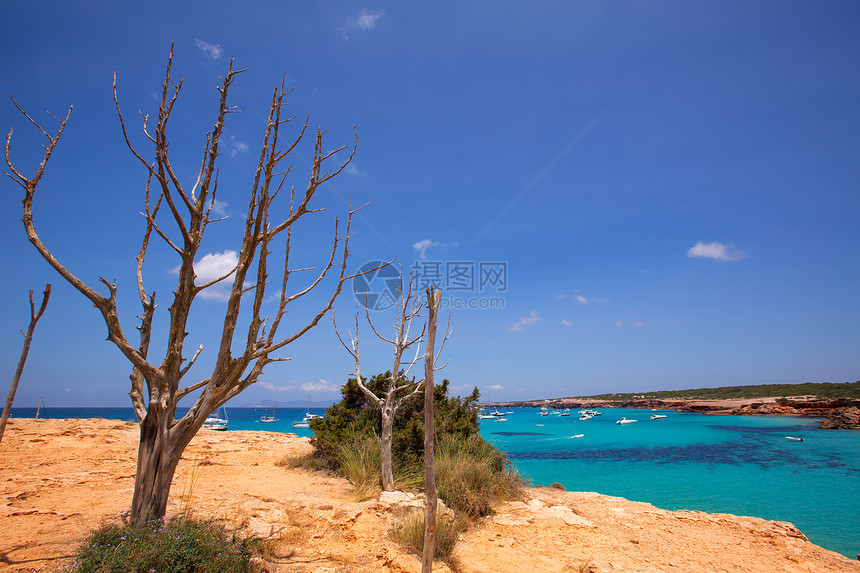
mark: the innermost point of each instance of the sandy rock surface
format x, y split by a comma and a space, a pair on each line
61, 478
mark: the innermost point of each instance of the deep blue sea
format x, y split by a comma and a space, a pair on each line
718, 464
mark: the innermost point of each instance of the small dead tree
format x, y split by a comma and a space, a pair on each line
408, 307
433, 298
28, 338
156, 386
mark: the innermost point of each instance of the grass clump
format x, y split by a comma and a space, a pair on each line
178, 546
360, 460
408, 531
306, 461
472, 475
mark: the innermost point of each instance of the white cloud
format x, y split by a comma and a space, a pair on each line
619, 324
321, 386
421, 247
566, 322
219, 208
68, 390
237, 146
716, 251
637, 324
367, 20
212, 266
580, 298
273, 388
213, 51
495, 387
364, 21
525, 321
353, 170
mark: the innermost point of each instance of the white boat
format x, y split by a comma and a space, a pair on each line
579, 436
266, 418
306, 421
544, 412
623, 421
486, 417
658, 416
501, 419
566, 412
793, 439
216, 422
585, 416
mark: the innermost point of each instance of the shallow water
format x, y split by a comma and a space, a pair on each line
719, 464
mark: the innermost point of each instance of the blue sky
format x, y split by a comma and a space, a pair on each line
671, 186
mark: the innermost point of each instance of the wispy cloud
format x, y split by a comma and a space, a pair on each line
320, 386
421, 247
525, 321
219, 208
364, 21
353, 170
716, 251
566, 322
495, 387
581, 298
237, 146
212, 51
638, 324
273, 388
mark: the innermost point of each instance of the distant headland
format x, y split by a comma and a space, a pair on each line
836, 404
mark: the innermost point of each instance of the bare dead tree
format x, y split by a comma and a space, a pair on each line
399, 390
28, 338
156, 387
433, 298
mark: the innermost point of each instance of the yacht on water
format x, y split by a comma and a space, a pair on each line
215, 421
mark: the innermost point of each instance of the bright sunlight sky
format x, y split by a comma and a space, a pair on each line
646, 195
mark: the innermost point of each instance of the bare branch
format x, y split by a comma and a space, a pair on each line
34, 318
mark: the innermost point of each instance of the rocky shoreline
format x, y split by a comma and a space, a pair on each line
838, 413
61, 478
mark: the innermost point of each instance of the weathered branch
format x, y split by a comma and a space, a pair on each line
28, 338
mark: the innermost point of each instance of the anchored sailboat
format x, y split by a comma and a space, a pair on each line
267, 418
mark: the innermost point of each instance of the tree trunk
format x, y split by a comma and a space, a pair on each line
387, 433
34, 318
158, 454
429, 432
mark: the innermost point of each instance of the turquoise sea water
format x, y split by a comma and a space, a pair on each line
718, 464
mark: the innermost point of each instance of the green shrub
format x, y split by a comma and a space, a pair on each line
356, 415
472, 475
409, 526
179, 546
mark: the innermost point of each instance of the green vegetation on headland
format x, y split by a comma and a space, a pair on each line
471, 474
820, 389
